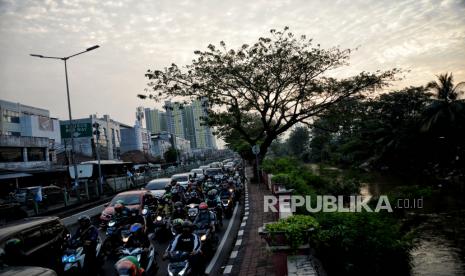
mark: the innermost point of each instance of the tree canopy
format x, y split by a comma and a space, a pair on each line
281, 80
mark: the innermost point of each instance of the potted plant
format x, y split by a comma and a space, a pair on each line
290, 233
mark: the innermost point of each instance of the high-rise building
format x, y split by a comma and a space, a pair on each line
174, 118
184, 121
155, 120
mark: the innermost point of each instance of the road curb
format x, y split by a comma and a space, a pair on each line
239, 235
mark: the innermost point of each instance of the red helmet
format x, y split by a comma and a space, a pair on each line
203, 206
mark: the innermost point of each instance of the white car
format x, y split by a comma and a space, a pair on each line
197, 174
181, 178
157, 186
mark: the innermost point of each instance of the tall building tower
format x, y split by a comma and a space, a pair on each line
155, 120
174, 118
203, 134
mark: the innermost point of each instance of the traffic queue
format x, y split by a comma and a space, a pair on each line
187, 210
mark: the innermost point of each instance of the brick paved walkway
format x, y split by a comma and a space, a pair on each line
253, 258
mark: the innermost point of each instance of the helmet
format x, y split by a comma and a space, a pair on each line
187, 226
193, 194
178, 204
203, 206
119, 207
84, 220
127, 266
212, 192
177, 222
136, 228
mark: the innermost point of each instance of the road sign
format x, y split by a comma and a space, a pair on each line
82, 130
256, 149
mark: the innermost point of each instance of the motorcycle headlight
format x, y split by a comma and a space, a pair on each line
111, 223
144, 211
159, 218
203, 238
231, 190
71, 259
125, 239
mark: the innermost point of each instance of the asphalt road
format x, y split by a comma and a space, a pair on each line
160, 247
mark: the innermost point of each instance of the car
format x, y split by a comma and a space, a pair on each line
40, 240
50, 194
214, 173
216, 165
157, 186
197, 174
230, 166
131, 199
181, 178
26, 271
204, 168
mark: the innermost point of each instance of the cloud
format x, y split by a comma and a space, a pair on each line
426, 36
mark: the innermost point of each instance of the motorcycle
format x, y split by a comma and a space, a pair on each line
116, 235
73, 258
137, 253
179, 263
208, 239
227, 204
161, 228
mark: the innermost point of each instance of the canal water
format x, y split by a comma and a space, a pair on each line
440, 237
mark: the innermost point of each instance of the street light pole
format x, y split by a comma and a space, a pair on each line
73, 126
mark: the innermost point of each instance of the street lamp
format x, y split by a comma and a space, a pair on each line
73, 127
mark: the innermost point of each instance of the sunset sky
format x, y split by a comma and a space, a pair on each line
423, 36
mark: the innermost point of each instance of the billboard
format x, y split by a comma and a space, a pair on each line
82, 130
45, 123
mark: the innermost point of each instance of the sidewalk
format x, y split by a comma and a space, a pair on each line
252, 257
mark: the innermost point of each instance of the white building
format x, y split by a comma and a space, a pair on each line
28, 136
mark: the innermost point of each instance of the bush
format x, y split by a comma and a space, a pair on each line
295, 229
361, 244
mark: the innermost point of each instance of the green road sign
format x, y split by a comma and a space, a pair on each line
82, 130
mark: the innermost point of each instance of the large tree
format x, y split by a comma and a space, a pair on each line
282, 80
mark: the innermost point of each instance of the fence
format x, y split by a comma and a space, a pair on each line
87, 191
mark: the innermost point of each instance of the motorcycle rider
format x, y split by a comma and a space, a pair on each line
179, 211
194, 198
188, 241
205, 217
177, 225
139, 239
122, 213
129, 266
87, 236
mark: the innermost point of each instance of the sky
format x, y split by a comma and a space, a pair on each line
424, 37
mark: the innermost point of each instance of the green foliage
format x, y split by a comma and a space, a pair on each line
281, 80
296, 229
298, 141
291, 173
405, 130
361, 244
170, 155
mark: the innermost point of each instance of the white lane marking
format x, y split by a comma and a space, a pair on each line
243, 224
223, 241
238, 242
246, 213
245, 218
227, 269
246, 208
240, 233
233, 254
